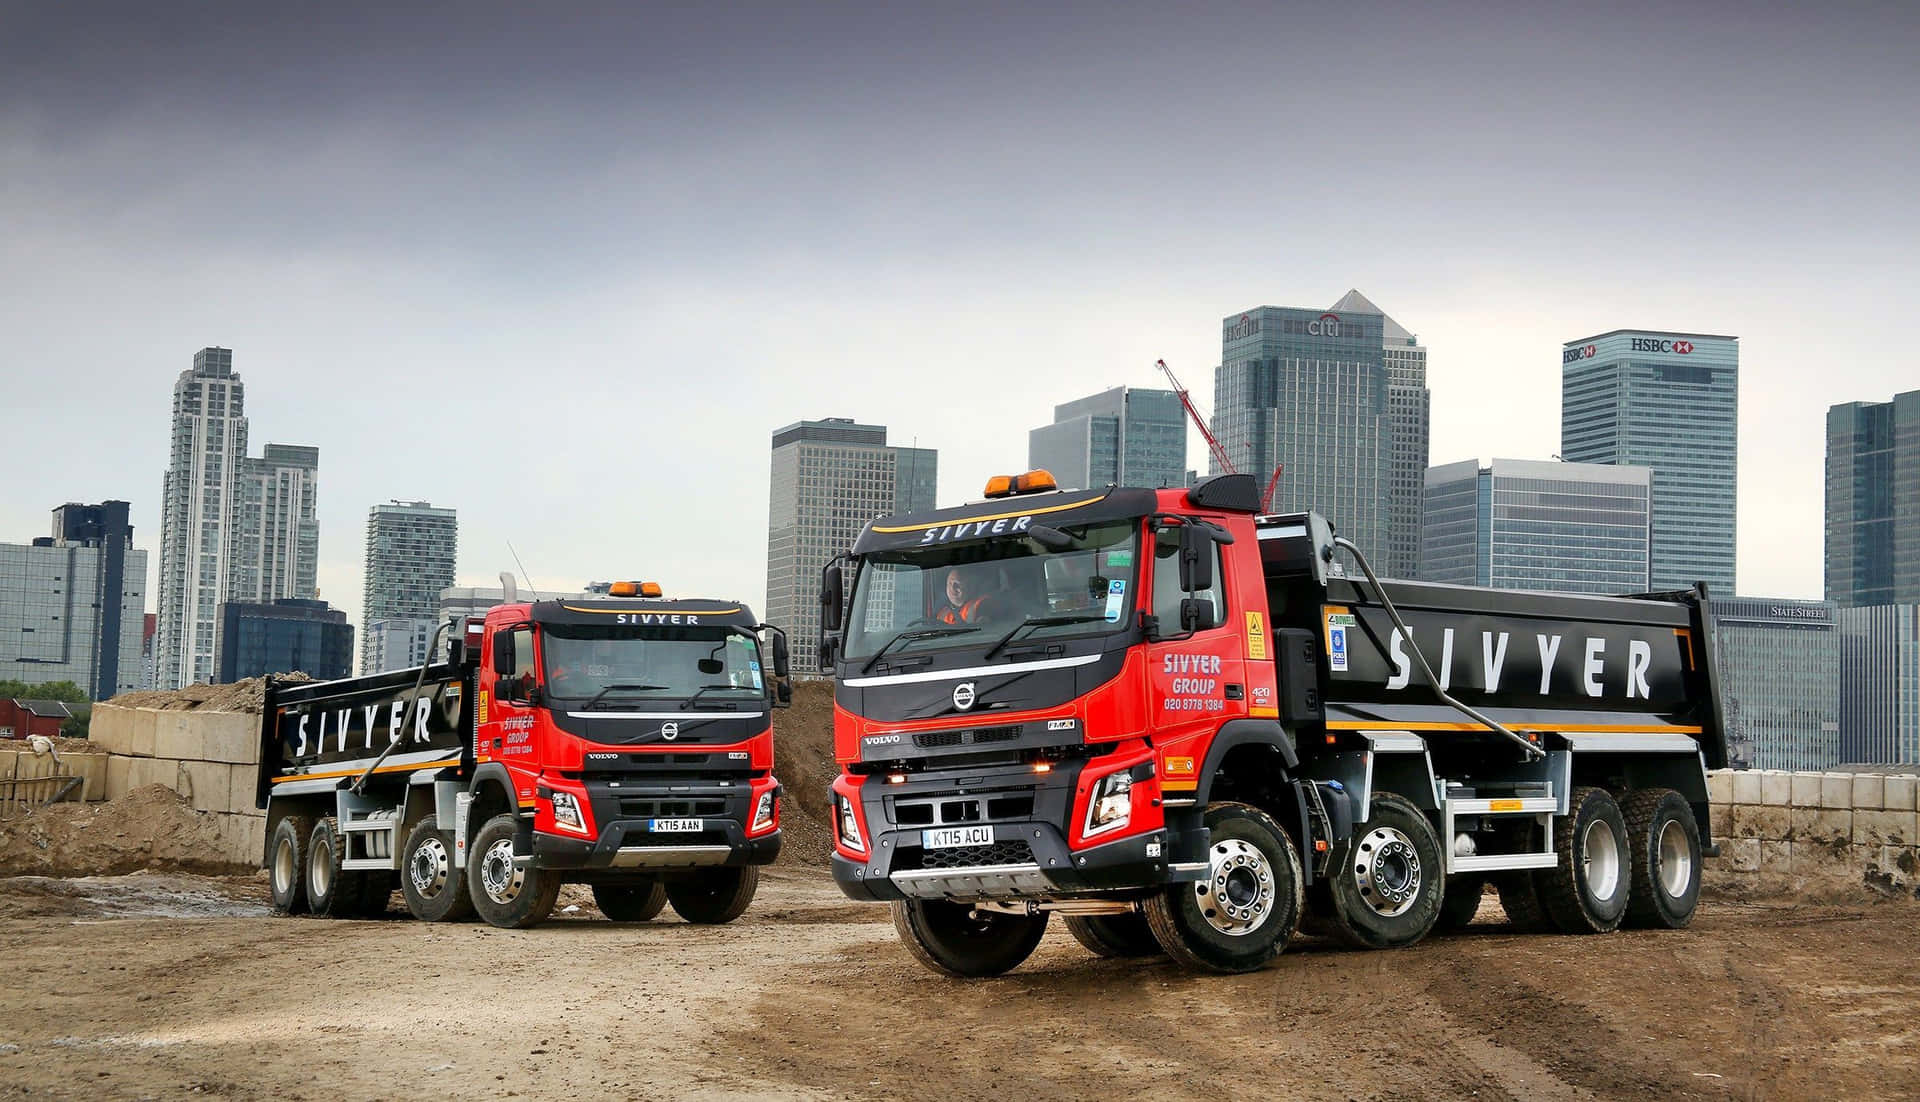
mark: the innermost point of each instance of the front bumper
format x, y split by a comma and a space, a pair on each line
628, 844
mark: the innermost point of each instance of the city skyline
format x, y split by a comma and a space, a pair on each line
335, 247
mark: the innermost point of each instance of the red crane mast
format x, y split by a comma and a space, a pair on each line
1213, 445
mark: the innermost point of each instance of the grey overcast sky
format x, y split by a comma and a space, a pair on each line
565, 266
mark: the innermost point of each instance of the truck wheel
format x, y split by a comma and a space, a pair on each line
1114, 935
1460, 903
435, 886
1664, 841
1387, 879
1248, 907
1520, 898
1586, 891
637, 902
509, 896
376, 891
287, 868
950, 937
331, 890
711, 897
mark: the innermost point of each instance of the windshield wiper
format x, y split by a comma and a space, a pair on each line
597, 697
697, 693
1038, 622
905, 636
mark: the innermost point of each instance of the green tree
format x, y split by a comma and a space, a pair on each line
64, 691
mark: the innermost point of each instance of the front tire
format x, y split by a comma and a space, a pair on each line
1248, 907
949, 937
433, 883
331, 890
287, 868
1586, 891
712, 897
1663, 839
509, 896
1114, 936
1386, 881
637, 902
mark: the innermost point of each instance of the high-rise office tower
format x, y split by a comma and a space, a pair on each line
282, 636
1880, 683
1873, 502
197, 513
829, 478
276, 543
1780, 675
1308, 390
1668, 401
411, 549
73, 604
1410, 407
1120, 437
1544, 526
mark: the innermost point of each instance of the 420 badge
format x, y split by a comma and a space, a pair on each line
1338, 624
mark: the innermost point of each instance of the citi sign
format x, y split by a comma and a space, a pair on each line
1326, 325
1650, 344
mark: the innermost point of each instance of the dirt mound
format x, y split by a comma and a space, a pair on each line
803, 760
248, 695
149, 828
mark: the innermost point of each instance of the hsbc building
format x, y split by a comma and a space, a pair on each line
1668, 401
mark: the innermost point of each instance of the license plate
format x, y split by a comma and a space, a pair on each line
950, 837
676, 826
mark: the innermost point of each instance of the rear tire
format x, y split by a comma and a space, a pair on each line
1246, 910
1387, 880
1460, 903
1664, 840
434, 884
1521, 900
376, 891
947, 937
635, 902
712, 897
1586, 891
1114, 936
287, 864
332, 891
508, 896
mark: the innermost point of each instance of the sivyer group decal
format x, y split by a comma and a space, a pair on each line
356, 726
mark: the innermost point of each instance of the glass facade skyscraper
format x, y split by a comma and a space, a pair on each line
1410, 408
1308, 390
1119, 437
1780, 681
1873, 502
828, 479
1544, 526
72, 605
1880, 684
411, 551
1669, 402
266, 637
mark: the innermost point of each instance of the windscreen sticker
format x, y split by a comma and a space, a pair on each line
757, 683
1116, 598
1120, 558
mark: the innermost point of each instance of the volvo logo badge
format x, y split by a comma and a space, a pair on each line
669, 731
963, 695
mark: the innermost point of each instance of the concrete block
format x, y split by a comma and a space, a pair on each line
230, 737
92, 771
243, 838
1836, 790
1776, 858
1830, 865
1822, 826
1720, 820
110, 728
1776, 788
1869, 789
1885, 828
1774, 824
117, 766
176, 735
1739, 788
240, 782
1897, 792
145, 771
1720, 784
1742, 854
140, 734
1902, 862
1806, 790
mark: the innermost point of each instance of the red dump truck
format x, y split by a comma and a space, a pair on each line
621, 741
1184, 727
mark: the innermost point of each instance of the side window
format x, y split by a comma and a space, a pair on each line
1167, 593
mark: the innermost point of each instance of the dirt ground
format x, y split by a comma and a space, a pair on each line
166, 985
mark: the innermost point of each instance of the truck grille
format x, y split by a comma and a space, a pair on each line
964, 857
931, 812
682, 808
936, 740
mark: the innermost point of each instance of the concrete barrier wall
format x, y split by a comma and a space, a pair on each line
1820, 833
20, 768
207, 757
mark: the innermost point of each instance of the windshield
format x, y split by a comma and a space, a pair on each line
976, 592
625, 663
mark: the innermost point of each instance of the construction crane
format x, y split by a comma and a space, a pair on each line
1213, 444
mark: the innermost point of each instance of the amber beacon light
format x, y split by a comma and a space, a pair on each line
1033, 482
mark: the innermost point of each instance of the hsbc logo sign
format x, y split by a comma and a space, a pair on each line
1650, 344
1573, 355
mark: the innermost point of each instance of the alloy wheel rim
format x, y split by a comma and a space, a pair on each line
1238, 893
498, 874
1600, 859
429, 868
1676, 859
1386, 870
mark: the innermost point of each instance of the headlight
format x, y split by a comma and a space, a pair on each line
1112, 802
763, 812
849, 826
566, 812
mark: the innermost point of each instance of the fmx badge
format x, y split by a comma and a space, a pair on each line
1337, 625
